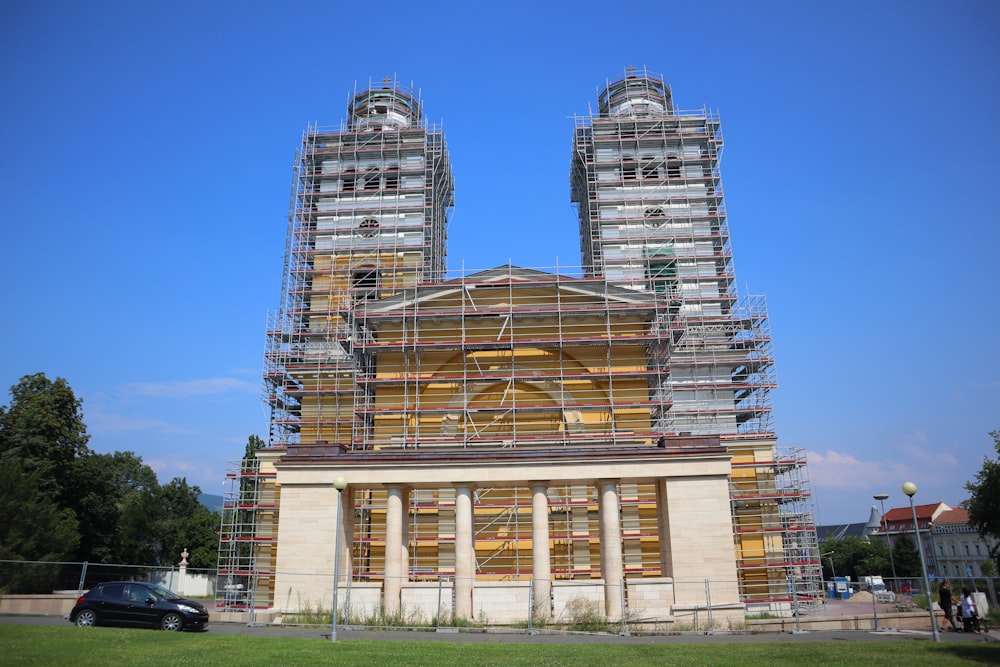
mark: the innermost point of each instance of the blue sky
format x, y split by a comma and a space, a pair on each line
146, 168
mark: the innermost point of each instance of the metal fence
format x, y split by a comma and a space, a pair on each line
913, 588
653, 604
587, 605
48, 577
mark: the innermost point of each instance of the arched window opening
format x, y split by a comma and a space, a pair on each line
654, 216
368, 228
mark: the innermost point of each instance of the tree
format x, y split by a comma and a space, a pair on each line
44, 429
254, 442
99, 489
51, 484
984, 503
34, 528
139, 540
906, 557
41, 435
178, 522
855, 557
43, 426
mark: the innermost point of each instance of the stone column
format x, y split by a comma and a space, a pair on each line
541, 565
663, 527
465, 551
404, 542
395, 565
346, 528
611, 548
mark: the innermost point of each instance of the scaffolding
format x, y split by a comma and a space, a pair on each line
509, 357
646, 181
377, 348
514, 358
369, 209
247, 537
777, 550
516, 354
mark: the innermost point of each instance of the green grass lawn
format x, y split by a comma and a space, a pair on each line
54, 646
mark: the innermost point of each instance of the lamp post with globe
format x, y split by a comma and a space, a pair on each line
339, 483
881, 498
910, 489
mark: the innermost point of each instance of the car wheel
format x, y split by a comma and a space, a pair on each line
171, 622
86, 618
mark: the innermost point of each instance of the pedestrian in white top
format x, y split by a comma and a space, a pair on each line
970, 617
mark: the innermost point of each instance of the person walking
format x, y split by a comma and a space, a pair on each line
970, 616
947, 603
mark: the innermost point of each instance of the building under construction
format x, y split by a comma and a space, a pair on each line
608, 424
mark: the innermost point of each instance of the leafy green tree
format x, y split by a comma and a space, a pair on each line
906, 557
984, 504
254, 442
201, 538
43, 426
138, 526
51, 484
41, 435
855, 557
99, 489
34, 528
178, 521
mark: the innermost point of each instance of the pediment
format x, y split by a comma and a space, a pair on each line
528, 290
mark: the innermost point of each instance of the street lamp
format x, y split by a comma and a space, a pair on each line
339, 483
882, 497
909, 488
833, 571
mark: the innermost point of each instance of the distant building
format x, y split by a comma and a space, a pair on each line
899, 521
959, 550
952, 546
840, 531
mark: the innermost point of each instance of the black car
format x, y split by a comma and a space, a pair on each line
137, 603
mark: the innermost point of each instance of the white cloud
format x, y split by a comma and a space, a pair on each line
100, 423
197, 473
832, 458
203, 387
837, 470
916, 447
844, 471
844, 485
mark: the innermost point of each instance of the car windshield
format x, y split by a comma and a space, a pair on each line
164, 593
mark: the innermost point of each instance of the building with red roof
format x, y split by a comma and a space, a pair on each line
958, 548
899, 520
